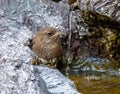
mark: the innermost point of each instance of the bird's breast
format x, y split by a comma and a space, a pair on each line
48, 51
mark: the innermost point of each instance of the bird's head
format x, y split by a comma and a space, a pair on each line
50, 34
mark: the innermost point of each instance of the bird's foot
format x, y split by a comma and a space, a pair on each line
52, 63
36, 62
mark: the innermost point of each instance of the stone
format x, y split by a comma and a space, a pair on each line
19, 21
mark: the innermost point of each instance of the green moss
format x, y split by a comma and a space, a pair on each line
107, 31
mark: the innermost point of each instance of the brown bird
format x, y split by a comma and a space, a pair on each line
47, 44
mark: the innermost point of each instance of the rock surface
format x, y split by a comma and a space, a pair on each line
20, 79
95, 29
19, 21
17, 74
110, 8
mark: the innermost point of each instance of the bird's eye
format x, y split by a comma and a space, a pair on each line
49, 33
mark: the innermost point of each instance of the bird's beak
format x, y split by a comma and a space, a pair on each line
58, 34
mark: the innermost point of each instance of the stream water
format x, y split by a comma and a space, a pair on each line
96, 83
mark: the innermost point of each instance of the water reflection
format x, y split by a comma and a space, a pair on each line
96, 83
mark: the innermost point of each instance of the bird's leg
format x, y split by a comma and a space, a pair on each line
39, 61
43, 61
52, 63
36, 61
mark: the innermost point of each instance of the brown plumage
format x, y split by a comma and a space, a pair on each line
47, 44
